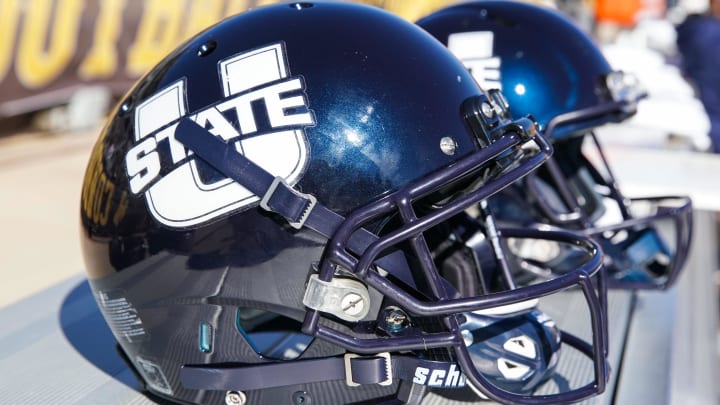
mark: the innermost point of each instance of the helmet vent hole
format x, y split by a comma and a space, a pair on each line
301, 398
271, 335
125, 107
301, 6
207, 48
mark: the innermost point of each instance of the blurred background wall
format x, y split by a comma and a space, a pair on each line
63, 63
81, 54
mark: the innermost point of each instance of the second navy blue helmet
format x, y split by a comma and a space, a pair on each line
547, 67
544, 64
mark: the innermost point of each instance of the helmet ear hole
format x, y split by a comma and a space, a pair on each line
272, 335
461, 271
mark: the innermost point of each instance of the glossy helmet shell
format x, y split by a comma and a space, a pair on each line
176, 263
544, 64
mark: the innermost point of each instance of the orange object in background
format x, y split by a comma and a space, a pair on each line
626, 13
621, 12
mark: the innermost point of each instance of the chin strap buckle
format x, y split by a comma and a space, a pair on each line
288, 202
360, 370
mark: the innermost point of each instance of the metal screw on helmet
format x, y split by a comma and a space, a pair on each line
352, 304
396, 319
301, 398
235, 398
448, 145
487, 109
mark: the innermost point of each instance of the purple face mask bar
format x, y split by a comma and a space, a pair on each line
680, 212
443, 303
354, 249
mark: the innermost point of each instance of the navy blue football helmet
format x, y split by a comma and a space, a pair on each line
278, 212
549, 68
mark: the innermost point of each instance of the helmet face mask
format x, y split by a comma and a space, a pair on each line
645, 240
563, 80
273, 226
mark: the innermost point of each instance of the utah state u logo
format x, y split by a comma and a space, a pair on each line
475, 51
264, 114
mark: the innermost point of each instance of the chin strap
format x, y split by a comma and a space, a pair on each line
356, 370
299, 209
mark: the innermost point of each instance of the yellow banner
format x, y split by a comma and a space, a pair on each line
50, 48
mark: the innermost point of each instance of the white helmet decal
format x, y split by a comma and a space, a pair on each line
475, 51
190, 193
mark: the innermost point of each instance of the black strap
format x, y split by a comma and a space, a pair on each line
276, 196
355, 370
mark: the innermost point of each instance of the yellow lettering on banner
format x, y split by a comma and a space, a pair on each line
39, 63
101, 60
410, 10
157, 34
203, 13
236, 7
9, 16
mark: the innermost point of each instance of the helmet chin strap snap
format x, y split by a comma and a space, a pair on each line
346, 298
